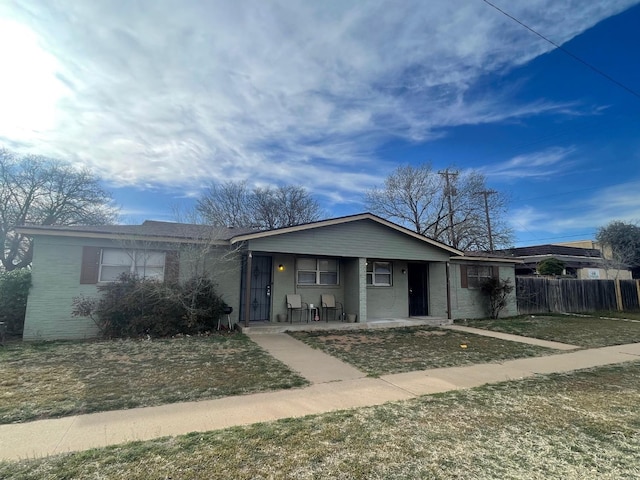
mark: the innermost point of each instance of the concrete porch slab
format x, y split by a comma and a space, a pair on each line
271, 327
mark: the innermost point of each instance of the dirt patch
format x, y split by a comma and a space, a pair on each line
430, 333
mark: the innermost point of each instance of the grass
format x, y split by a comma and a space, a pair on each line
587, 332
396, 350
616, 314
54, 379
570, 426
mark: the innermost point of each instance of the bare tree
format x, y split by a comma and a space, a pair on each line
232, 204
621, 242
410, 197
284, 207
39, 191
445, 206
227, 205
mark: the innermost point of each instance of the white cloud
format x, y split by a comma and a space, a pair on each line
178, 93
583, 209
543, 164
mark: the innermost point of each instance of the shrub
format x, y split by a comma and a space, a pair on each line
550, 266
203, 306
14, 289
497, 292
133, 307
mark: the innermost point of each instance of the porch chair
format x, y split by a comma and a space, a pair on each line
328, 302
294, 302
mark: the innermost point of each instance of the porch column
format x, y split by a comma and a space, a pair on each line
247, 290
448, 275
362, 290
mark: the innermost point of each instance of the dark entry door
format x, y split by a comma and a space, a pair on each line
418, 294
260, 288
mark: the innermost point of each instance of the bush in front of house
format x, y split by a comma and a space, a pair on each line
134, 307
14, 289
202, 304
497, 292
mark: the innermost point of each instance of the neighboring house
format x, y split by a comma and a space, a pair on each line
375, 268
581, 261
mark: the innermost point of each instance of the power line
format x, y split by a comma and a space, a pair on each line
566, 52
555, 238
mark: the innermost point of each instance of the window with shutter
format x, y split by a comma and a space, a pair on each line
475, 275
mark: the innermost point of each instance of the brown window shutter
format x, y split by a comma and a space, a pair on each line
171, 267
495, 272
90, 265
464, 281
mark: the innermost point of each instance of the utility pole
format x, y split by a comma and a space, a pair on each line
485, 194
449, 193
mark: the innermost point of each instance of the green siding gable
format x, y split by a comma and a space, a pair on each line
362, 238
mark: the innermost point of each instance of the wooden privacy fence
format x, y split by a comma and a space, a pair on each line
544, 295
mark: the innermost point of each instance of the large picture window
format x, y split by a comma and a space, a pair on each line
144, 263
317, 271
379, 274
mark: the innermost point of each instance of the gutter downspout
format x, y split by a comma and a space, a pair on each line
448, 275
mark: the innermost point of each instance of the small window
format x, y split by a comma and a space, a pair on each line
317, 271
478, 274
146, 264
379, 274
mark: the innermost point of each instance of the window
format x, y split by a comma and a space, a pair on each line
379, 274
477, 274
317, 271
147, 264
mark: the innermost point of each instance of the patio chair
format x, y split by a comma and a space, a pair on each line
328, 302
295, 303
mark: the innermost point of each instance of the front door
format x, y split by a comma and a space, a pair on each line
418, 293
260, 288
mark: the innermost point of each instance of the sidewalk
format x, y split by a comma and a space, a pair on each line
336, 386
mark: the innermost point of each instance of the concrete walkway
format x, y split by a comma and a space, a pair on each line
336, 386
513, 338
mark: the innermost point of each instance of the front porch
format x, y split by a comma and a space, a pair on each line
270, 327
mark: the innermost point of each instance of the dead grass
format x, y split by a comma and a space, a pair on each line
398, 350
570, 426
587, 332
54, 379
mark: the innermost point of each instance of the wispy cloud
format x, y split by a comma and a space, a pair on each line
179, 93
542, 164
583, 210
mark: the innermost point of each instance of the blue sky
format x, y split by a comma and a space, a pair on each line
162, 97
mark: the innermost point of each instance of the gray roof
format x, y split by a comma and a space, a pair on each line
551, 250
151, 228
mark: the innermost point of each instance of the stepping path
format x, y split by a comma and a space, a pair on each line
513, 338
339, 388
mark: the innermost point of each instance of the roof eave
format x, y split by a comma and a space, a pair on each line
466, 258
118, 236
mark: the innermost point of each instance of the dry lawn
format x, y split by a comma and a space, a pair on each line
579, 426
55, 379
590, 332
396, 350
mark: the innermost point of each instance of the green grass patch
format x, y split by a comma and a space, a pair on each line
395, 350
587, 332
570, 426
53, 379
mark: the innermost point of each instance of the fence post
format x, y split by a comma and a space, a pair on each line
638, 290
619, 295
